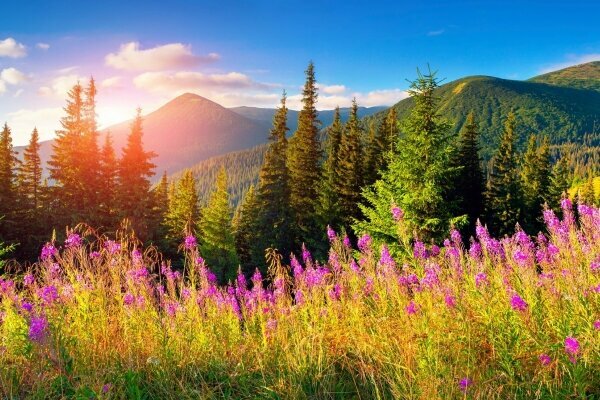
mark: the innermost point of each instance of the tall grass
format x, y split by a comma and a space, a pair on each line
490, 319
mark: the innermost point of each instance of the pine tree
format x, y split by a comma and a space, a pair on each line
217, 244
328, 208
8, 190
135, 169
503, 193
468, 187
244, 230
183, 211
586, 193
89, 159
350, 170
559, 182
30, 174
418, 173
372, 156
380, 148
304, 163
66, 162
274, 219
535, 182
107, 193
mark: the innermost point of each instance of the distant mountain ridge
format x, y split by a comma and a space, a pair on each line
582, 76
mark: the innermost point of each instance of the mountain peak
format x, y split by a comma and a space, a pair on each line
582, 76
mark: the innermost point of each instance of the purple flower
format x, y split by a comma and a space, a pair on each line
566, 204
450, 301
364, 243
347, 241
28, 280
106, 388
475, 250
419, 250
597, 324
336, 292
331, 235
112, 246
517, 303
595, 265
385, 259
48, 251
189, 242
464, 384
572, 348
49, 294
306, 257
94, 255
128, 299
73, 240
545, 359
397, 213
520, 258
38, 328
27, 306
455, 236
411, 308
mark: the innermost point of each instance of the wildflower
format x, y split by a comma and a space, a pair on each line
299, 297
306, 257
450, 301
112, 246
385, 259
566, 204
48, 251
584, 209
346, 241
419, 250
455, 236
435, 250
27, 306
517, 303
73, 240
28, 280
520, 258
597, 324
296, 267
49, 294
411, 308
481, 279
171, 308
545, 359
271, 325
38, 328
595, 265
331, 235
464, 384
354, 266
128, 299
336, 292
364, 243
572, 348
189, 242
397, 213
94, 255
475, 250
106, 388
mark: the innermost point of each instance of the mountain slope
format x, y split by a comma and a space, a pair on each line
562, 113
583, 76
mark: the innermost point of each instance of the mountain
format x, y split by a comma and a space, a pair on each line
325, 116
583, 76
562, 113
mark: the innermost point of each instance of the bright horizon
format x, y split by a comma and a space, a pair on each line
222, 52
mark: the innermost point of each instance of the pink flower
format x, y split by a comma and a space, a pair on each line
545, 359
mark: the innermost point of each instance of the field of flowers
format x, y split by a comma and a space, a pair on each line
485, 318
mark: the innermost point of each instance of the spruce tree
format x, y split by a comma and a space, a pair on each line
66, 163
535, 182
274, 220
468, 185
217, 244
183, 211
559, 182
30, 174
350, 169
107, 185
380, 149
304, 163
504, 198
328, 207
250, 255
372, 156
135, 170
8, 190
88, 153
418, 174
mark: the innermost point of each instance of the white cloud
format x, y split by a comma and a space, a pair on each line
42, 46
385, 97
67, 70
332, 89
114, 82
18, 93
436, 33
2, 87
22, 122
174, 83
572, 59
11, 48
60, 85
13, 76
167, 57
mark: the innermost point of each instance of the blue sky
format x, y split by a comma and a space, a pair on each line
247, 52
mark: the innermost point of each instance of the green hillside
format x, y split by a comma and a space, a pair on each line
563, 114
583, 76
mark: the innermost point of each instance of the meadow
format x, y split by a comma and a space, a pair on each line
483, 318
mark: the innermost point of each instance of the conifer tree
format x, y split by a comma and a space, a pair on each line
8, 191
107, 193
418, 173
379, 150
30, 175
328, 207
66, 162
217, 244
274, 220
304, 163
504, 198
372, 156
135, 170
559, 182
586, 193
468, 187
350, 170
250, 255
535, 181
183, 211
90, 162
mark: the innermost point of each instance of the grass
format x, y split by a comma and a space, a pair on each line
103, 319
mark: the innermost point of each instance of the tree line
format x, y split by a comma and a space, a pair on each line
348, 176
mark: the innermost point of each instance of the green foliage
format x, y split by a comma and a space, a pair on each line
8, 191
183, 211
379, 145
468, 185
504, 195
559, 182
418, 174
583, 76
250, 255
217, 243
304, 163
535, 182
108, 184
